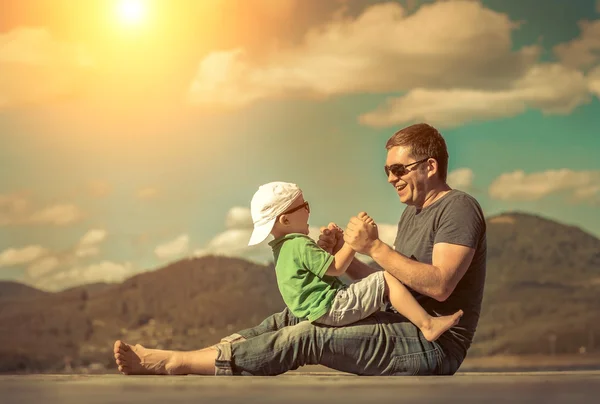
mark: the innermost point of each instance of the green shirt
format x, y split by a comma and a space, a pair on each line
300, 265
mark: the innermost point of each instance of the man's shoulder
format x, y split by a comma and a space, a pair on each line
458, 195
457, 198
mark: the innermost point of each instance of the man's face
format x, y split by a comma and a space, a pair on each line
411, 185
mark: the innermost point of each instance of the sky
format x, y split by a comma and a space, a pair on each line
134, 133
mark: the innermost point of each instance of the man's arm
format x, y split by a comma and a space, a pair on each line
438, 280
448, 264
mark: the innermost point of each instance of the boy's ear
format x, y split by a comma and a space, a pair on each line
283, 219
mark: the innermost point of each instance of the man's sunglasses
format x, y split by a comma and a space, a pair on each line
400, 169
304, 205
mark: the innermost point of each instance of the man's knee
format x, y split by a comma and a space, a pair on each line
303, 333
233, 338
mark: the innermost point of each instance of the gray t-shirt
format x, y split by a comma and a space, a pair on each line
455, 218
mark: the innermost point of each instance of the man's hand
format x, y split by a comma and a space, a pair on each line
331, 238
361, 233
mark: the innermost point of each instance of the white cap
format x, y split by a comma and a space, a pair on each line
268, 202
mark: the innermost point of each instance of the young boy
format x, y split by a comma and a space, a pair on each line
306, 274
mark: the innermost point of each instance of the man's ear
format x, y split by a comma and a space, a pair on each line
283, 219
432, 167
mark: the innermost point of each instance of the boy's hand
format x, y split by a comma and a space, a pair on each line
339, 238
331, 238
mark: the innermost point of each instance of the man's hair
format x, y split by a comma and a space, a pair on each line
424, 141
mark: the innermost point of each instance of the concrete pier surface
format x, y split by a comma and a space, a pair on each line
304, 387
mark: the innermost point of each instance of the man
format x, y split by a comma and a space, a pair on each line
439, 253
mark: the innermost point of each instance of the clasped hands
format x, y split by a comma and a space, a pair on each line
361, 234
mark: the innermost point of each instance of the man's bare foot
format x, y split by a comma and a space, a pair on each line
137, 360
439, 325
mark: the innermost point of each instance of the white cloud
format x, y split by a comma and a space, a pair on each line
438, 46
57, 214
17, 209
583, 51
93, 236
35, 67
105, 271
46, 263
581, 185
173, 248
56, 270
19, 256
42, 267
86, 251
461, 178
587, 192
594, 80
239, 218
552, 88
147, 193
234, 243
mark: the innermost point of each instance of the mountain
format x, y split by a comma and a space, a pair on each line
16, 290
542, 297
542, 288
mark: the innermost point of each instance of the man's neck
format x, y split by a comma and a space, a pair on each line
435, 194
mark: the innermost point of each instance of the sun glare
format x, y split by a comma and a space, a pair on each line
131, 11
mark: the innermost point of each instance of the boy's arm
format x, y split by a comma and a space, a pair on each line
359, 270
341, 261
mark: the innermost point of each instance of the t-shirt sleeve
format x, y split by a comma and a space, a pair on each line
461, 223
314, 258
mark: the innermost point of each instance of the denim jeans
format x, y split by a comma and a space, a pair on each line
383, 344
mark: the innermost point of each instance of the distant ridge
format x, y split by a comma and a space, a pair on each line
16, 290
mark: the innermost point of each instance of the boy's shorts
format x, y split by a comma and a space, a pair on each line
357, 301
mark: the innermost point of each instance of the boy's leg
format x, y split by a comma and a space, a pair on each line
405, 303
357, 301
379, 345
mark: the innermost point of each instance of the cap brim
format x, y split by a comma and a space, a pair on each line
260, 233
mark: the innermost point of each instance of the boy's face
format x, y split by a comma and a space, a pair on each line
295, 218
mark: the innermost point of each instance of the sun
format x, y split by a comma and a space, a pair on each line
131, 12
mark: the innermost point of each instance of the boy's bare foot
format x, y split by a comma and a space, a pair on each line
137, 360
439, 325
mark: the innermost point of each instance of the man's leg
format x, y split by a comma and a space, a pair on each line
272, 323
382, 345
136, 359
378, 345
